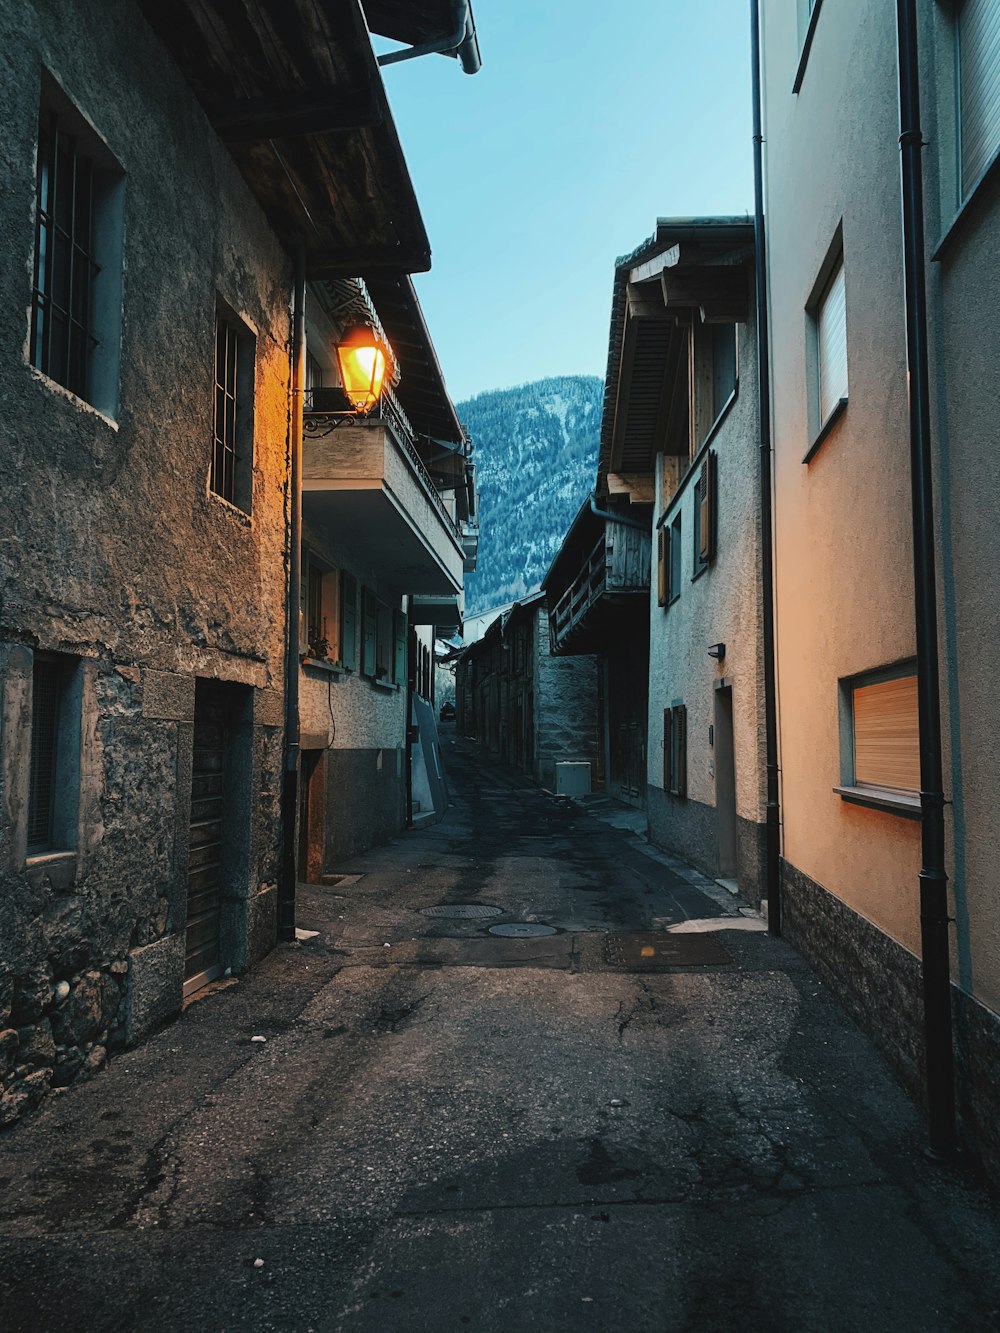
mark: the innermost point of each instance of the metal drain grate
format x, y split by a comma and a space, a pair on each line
522, 930
650, 952
462, 911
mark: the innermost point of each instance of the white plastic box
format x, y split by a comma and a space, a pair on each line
572, 778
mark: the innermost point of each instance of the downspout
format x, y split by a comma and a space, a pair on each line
616, 518
411, 671
934, 918
462, 43
290, 783
772, 833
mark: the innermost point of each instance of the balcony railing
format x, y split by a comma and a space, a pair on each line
617, 568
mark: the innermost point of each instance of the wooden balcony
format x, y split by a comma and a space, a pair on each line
611, 588
364, 482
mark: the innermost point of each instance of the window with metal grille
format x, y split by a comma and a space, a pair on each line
232, 425
45, 708
76, 289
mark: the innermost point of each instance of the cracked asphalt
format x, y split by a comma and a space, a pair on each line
446, 1130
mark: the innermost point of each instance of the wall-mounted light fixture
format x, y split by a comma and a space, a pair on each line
717, 650
362, 359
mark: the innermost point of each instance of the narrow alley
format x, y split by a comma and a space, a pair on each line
498, 1090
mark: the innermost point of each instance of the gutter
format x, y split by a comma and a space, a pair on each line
290, 782
772, 818
463, 43
616, 518
934, 917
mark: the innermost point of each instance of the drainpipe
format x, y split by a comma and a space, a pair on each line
772, 832
934, 918
290, 783
462, 43
616, 518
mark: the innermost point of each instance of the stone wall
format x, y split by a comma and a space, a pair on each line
118, 558
565, 707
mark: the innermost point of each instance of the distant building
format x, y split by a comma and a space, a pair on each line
532, 709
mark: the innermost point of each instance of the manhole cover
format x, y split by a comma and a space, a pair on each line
650, 952
466, 911
521, 930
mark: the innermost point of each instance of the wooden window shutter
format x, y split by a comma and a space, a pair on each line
886, 743
668, 738
662, 565
706, 509
680, 777
349, 622
399, 648
369, 631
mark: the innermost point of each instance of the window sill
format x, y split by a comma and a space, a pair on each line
955, 226
386, 685
891, 799
703, 569
825, 430
240, 515
800, 72
60, 389
59, 868
325, 665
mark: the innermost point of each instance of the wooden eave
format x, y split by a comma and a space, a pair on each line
422, 389
689, 269
293, 89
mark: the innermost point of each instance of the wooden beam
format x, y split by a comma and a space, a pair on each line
655, 266
645, 302
718, 288
638, 486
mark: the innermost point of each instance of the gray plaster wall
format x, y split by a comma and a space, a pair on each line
565, 690
116, 555
721, 605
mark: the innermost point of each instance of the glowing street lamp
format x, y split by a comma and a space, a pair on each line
361, 356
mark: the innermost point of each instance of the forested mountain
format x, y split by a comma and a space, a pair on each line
536, 459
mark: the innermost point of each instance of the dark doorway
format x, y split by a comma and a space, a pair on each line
208, 785
725, 782
312, 825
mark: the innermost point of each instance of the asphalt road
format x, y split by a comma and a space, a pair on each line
445, 1129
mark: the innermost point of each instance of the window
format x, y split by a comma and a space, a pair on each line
232, 426
384, 643
880, 752
675, 750
978, 42
369, 633
826, 347
77, 283
705, 514
320, 636
713, 378
53, 778
399, 648
674, 580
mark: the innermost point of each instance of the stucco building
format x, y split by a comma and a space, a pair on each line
162, 169
844, 580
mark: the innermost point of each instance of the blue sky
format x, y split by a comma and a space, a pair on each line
586, 122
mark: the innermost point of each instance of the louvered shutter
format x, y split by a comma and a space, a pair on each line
668, 740
680, 724
979, 87
662, 565
349, 622
369, 632
706, 509
399, 648
831, 344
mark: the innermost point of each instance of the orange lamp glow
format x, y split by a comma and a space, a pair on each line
361, 357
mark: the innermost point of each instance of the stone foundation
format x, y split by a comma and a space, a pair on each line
687, 828
879, 984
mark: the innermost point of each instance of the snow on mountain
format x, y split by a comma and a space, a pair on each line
536, 459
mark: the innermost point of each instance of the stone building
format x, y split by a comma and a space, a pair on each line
531, 708
844, 574
159, 167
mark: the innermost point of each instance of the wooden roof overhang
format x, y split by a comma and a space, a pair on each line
293, 89
689, 269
